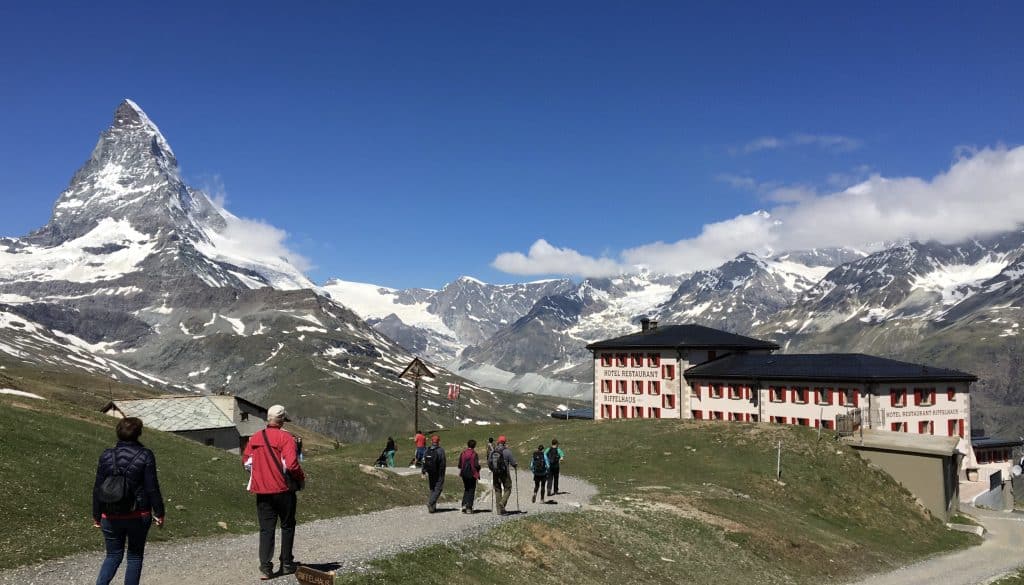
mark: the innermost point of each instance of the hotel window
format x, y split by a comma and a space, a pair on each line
668, 372
620, 360
735, 392
606, 411
779, 420
736, 416
716, 391
654, 359
620, 386
654, 412
900, 427
924, 396
668, 401
638, 387
828, 424
621, 412
697, 414
804, 422
606, 360
776, 394
695, 390
638, 412
848, 397
606, 386
926, 427
955, 427
800, 394
823, 396
951, 394
638, 360
718, 415
898, 397
654, 388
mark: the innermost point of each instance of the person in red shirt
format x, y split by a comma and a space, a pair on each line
269, 455
421, 448
469, 471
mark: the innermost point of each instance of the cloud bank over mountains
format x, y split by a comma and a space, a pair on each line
982, 193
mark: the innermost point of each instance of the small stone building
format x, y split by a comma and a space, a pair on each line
221, 421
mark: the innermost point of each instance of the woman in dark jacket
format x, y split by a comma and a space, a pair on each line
389, 451
130, 519
469, 471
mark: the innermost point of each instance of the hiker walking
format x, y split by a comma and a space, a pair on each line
539, 467
126, 500
502, 463
434, 464
469, 471
389, 451
554, 456
277, 475
421, 447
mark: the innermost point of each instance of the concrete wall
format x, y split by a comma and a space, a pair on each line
931, 478
227, 438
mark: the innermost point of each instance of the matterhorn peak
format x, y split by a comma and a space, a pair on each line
132, 174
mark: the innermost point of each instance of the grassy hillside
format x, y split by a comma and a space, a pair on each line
48, 455
691, 502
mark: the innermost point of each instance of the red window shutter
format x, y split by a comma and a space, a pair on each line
950, 428
917, 396
892, 398
961, 425
831, 396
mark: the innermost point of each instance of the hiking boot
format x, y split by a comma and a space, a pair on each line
289, 568
267, 573
534, 498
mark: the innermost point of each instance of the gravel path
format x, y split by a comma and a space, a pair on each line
1000, 553
346, 543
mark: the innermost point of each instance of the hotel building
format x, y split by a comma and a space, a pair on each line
695, 372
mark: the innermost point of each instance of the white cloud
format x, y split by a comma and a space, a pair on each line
255, 238
830, 142
543, 258
251, 238
982, 193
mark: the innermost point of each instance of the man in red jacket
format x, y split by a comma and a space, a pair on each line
269, 455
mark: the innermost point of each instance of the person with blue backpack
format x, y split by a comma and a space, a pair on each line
553, 455
539, 467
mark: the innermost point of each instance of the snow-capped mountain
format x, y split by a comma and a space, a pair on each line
140, 277
439, 324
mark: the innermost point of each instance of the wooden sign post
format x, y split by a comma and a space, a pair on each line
414, 371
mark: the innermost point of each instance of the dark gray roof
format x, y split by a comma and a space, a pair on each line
683, 337
855, 367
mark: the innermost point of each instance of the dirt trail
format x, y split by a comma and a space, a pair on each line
1000, 553
344, 543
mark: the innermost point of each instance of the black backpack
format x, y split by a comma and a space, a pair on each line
431, 461
539, 468
115, 491
496, 461
553, 457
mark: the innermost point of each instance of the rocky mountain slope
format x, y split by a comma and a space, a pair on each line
143, 277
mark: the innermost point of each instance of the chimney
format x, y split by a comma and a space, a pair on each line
647, 325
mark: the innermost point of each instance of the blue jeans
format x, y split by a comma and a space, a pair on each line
115, 533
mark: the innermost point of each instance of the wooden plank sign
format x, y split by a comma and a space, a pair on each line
310, 576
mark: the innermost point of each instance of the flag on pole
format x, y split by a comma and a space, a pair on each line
453, 391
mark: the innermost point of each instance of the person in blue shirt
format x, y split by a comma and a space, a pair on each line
553, 455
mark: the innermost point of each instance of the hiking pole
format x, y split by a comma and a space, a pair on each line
518, 509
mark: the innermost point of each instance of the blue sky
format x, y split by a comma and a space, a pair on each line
408, 143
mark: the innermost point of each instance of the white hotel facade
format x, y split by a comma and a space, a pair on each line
695, 372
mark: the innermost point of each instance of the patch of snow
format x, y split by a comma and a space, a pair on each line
12, 392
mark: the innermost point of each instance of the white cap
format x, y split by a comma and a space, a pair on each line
277, 414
